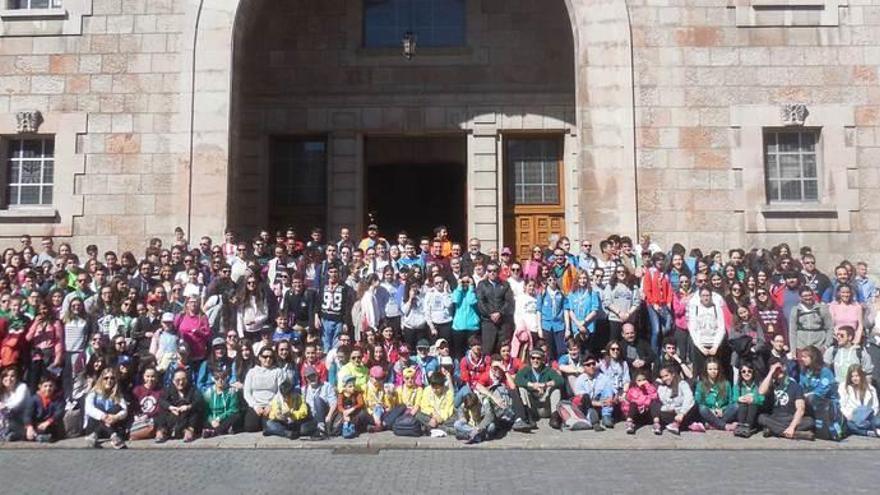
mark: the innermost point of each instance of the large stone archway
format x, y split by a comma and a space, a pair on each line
602, 160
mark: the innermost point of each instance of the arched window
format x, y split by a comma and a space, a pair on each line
435, 23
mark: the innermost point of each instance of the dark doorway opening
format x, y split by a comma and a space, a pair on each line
416, 184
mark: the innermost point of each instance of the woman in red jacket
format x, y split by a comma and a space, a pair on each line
658, 297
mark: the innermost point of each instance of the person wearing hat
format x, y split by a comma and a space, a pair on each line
217, 360
165, 342
495, 304
350, 408
222, 406
436, 405
539, 386
403, 363
379, 398
409, 393
321, 398
426, 362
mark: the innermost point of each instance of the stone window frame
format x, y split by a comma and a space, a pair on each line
748, 11
66, 20
55, 219
838, 169
6, 199
801, 154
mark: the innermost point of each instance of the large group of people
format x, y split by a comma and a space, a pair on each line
312, 338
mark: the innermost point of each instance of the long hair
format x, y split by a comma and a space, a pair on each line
109, 392
706, 383
862, 388
816, 364
673, 370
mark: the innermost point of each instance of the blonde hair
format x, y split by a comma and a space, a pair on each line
99, 388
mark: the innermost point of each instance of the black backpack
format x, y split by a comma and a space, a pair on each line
407, 426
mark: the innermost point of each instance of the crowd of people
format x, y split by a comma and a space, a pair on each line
312, 338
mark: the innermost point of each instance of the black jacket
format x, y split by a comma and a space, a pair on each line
492, 298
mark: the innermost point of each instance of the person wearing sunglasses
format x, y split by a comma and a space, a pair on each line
496, 305
540, 388
594, 393
261, 384
106, 410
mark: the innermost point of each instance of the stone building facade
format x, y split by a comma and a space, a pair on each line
716, 123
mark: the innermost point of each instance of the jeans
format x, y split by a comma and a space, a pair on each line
556, 340
281, 428
605, 411
728, 414
863, 420
331, 328
747, 414
660, 321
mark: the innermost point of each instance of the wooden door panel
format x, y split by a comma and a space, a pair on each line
535, 229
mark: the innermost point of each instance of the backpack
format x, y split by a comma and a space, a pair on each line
407, 426
830, 423
571, 417
349, 430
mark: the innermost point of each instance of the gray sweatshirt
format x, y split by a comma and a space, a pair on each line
261, 384
681, 403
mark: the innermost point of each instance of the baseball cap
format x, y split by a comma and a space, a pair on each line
506, 250
372, 226
377, 372
445, 361
218, 342
423, 344
167, 317
309, 371
536, 353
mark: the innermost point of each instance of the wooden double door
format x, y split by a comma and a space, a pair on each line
534, 192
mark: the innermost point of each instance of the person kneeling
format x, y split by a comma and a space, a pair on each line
288, 414
181, 410
788, 418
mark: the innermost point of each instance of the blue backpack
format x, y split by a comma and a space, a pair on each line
830, 423
349, 430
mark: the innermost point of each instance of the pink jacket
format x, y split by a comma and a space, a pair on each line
47, 335
196, 333
680, 310
639, 397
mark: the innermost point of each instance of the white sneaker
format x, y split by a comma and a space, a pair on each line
92, 440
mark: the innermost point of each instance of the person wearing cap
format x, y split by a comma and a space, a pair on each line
401, 364
436, 405
350, 408
409, 392
165, 342
426, 362
379, 398
321, 397
288, 413
217, 360
539, 386
495, 304
594, 393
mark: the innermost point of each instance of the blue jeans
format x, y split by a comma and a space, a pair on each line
728, 415
660, 321
556, 341
331, 330
863, 421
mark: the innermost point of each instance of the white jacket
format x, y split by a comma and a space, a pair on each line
706, 325
849, 400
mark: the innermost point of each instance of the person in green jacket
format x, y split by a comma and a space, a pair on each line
466, 320
714, 397
747, 399
222, 406
540, 387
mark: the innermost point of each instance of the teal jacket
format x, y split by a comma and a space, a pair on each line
717, 396
466, 316
742, 390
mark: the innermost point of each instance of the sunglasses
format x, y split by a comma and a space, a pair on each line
266, 356
615, 349
590, 364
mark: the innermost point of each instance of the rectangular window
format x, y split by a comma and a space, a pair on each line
791, 165
435, 23
299, 182
33, 4
534, 169
30, 171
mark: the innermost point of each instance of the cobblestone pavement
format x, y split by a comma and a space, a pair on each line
256, 471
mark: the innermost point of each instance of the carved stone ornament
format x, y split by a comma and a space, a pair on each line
28, 122
794, 114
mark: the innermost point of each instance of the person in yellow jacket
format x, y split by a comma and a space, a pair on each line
356, 368
288, 414
379, 397
436, 405
409, 394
